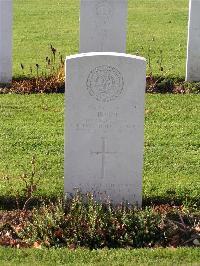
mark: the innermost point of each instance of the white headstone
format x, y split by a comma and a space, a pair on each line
104, 125
103, 26
193, 51
5, 41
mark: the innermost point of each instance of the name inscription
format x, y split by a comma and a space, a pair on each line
105, 187
105, 121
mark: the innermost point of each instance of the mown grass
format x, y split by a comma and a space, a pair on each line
32, 125
183, 256
156, 29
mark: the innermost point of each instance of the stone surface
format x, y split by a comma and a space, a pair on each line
103, 26
5, 41
104, 125
193, 52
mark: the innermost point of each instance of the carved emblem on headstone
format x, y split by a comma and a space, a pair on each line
103, 10
105, 83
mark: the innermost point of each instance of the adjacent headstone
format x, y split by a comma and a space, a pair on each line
104, 125
5, 41
193, 51
103, 25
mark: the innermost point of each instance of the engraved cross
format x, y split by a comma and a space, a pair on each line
103, 153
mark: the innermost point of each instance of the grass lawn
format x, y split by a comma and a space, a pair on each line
145, 257
32, 125
156, 29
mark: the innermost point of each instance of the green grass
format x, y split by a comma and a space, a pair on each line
172, 148
158, 25
33, 125
145, 257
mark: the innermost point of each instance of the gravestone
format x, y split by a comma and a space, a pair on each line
103, 26
193, 51
104, 125
5, 41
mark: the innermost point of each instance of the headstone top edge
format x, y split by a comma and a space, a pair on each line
114, 54
107, 0
120, 1
6, 1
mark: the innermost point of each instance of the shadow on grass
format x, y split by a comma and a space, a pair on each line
11, 202
177, 201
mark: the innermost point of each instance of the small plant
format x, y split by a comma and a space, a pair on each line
83, 222
50, 81
31, 183
29, 186
44, 225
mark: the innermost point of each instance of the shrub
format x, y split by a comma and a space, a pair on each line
83, 222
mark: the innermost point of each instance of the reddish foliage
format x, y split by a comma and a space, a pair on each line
177, 223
